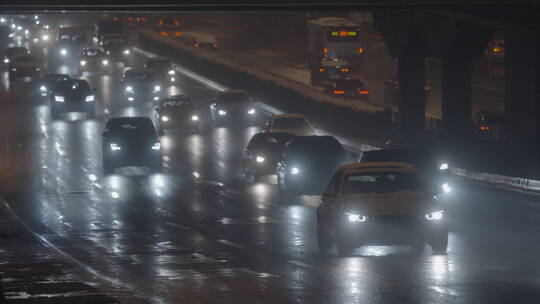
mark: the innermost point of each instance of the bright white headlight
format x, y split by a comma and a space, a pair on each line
130, 98
105, 62
355, 217
63, 52
156, 146
295, 170
251, 111
129, 89
435, 216
171, 72
83, 62
26, 32
6, 60
194, 117
43, 88
173, 79
443, 166
45, 37
164, 118
259, 159
157, 88
126, 52
89, 98
59, 98
446, 188
115, 147
221, 112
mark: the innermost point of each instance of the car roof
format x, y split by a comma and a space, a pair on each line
158, 58
138, 70
378, 167
288, 115
233, 91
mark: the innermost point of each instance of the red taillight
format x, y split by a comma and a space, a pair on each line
361, 51
325, 50
177, 34
216, 45
427, 88
363, 92
485, 128
164, 33
339, 92
196, 45
321, 70
344, 69
130, 18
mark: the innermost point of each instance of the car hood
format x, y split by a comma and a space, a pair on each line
307, 131
397, 203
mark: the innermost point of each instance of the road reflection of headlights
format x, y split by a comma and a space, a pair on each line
295, 170
83, 62
165, 118
129, 89
43, 88
435, 216
195, 118
446, 188
259, 159
89, 98
443, 166
171, 72
156, 146
157, 88
59, 98
63, 52
115, 147
221, 112
105, 62
251, 111
355, 217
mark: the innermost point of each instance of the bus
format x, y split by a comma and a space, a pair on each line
335, 38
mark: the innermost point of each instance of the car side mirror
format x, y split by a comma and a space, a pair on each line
161, 133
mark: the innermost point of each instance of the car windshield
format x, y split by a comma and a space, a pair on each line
269, 140
290, 123
158, 64
139, 76
381, 182
143, 127
233, 98
93, 53
74, 85
13, 51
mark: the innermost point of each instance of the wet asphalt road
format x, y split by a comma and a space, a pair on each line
199, 234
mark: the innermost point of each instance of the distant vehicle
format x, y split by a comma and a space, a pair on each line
106, 26
262, 154
306, 165
296, 124
489, 126
178, 112
163, 68
169, 27
382, 204
233, 106
24, 66
334, 37
328, 71
94, 60
14, 51
349, 88
141, 84
391, 91
206, 42
117, 47
49, 82
73, 95
131, 141
434, 169
70, 41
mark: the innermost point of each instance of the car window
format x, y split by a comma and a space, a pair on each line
383, 182
289, 123
233, 98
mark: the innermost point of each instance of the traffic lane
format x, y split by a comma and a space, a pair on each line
340, 292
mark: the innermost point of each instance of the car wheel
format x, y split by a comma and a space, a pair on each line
324, 242
108, 169
344, 248
439, 245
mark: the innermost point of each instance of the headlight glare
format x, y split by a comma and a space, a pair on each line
83, 62
443, 166
164, 118
63, 52
105, 62
259, 159
355, 217
156, 146
251, 111
435, 216
172, 72
59, 98
129, 89
43, 88
89, 98
195, 118
221, 112
157, 88
126, 52
115, 147
295, 170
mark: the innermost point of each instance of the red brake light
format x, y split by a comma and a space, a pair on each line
325, 50
485, 128
361, 50
345, 69
363, 92
339, 92
321, 70
164, 33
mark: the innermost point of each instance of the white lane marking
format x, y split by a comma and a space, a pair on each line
230, 243
178, 226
